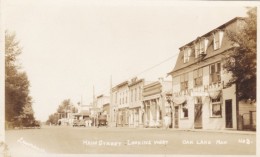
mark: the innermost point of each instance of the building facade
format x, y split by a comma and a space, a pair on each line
119, 109
135, 102
201, 100
155, 104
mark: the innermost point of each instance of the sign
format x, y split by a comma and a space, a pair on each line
199, 94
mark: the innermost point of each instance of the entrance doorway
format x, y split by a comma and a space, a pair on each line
198, 116
176, 117
229, 116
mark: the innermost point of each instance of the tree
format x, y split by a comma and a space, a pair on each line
53, 119
65, 107
18, 103
241, 62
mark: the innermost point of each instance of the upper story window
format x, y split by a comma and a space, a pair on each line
187, 54
135, 94
197, 75
140, 93
217, 39
126, 95
214, 71
201, 46
132, 95
184, 81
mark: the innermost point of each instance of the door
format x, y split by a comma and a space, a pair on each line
176, 117
198, 116
229, 118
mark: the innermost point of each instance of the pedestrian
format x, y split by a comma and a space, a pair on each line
166, 121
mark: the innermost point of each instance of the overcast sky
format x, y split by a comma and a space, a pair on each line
70, 46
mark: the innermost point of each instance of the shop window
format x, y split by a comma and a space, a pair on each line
216, 110
184, 110
215, 70
197, 75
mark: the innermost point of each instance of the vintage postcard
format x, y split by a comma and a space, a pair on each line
117, 78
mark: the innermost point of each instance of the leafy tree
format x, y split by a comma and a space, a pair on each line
18, 103
53, 119
242, 64
65, 107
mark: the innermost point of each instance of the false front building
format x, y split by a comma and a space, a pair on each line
155, 104
198, 82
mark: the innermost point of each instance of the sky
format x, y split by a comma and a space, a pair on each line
71, 46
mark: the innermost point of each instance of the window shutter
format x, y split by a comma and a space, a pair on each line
218, 67
206, 41
214, 41
196, 50
212, 69
189, 52
221, 34
202, 46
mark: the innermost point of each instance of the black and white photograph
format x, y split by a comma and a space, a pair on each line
138, 78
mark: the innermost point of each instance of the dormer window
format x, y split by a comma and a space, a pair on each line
201, 46
187, 54
217, 39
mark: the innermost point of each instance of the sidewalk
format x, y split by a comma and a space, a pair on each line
196, 130
217, 131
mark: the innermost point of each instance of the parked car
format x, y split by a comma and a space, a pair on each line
102, 120
78, 122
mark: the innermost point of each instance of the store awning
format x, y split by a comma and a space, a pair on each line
179, 100
214, 94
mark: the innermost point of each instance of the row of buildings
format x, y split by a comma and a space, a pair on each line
196, 98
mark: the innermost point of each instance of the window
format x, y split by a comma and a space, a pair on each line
184, 110
201, 46
187, 54
197, 50
184, 81
214, 71
132, 95
123, 95
216, 110
197, 75
140, 93
115, 97
126, 97
217, 39
135, 94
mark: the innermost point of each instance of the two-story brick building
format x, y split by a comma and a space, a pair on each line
200, 97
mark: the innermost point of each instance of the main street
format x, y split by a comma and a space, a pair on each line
81, 140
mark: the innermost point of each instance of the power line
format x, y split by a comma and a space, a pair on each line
148, 69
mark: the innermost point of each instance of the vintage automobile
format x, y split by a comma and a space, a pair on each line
102, 120
78, 122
